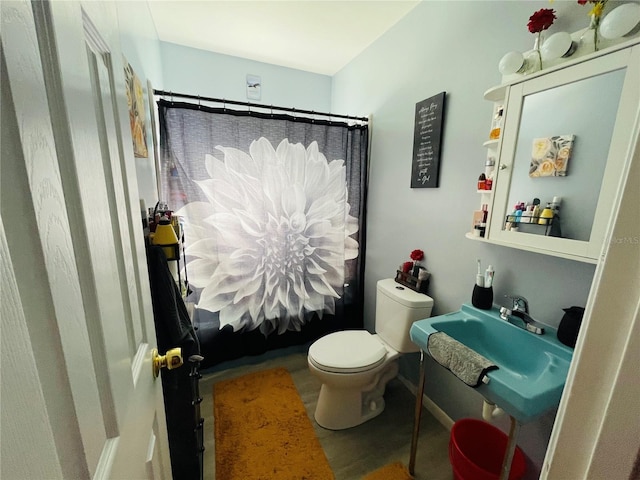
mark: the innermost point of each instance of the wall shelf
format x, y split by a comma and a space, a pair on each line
471, 236
414, 283
491, 143
497, 93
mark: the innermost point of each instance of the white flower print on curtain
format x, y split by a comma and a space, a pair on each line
268, 247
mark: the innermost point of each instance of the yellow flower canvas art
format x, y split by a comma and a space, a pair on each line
135, 101
550, 156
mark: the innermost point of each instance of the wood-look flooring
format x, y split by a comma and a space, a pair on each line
357, 451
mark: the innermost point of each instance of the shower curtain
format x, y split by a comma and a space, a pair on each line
273, 208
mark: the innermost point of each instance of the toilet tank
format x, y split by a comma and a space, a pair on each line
397, 307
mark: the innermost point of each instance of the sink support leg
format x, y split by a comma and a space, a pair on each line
511, 448
418, 413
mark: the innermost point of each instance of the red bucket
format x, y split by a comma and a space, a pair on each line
476, 451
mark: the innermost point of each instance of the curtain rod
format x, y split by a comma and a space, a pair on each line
257, 105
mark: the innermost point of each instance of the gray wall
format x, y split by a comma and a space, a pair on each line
210, 74
182, 69
453, 47
140, 47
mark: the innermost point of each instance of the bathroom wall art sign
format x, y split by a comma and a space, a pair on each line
550, 156
427, 137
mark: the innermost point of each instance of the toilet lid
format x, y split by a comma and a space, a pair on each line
348, 351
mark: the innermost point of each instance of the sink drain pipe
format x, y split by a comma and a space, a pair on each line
491, 411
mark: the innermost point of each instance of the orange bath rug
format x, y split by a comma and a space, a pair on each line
262, 430
393, 471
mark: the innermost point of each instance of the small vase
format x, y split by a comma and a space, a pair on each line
536, 47
533, 59
591, 36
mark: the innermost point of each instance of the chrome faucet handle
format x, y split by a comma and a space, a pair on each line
504, 313
534, 329
519, 303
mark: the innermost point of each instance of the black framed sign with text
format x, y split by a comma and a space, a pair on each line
427, 135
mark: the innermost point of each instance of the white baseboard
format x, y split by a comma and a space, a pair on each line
445, 420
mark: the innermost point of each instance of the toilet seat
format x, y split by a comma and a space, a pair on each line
348, 351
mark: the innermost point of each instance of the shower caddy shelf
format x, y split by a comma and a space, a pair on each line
414, 283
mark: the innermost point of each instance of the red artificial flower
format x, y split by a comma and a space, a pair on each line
582, 2
541, 20
417, 255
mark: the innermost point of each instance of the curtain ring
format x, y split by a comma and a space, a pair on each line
272, 110
171, 96
224, 105
313, 117
199, 102
294, 113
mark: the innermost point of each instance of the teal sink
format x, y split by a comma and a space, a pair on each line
532, 369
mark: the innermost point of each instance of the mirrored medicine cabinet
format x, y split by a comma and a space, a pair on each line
566, 134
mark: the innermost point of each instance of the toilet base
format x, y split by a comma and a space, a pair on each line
339, 408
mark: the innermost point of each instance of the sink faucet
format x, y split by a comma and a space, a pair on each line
520, 309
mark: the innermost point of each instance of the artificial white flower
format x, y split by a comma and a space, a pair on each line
271, 242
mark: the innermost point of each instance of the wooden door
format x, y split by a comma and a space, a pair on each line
78, 396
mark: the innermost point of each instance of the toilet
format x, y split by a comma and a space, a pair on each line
355, 366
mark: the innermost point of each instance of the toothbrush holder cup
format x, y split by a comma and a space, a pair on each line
482, 297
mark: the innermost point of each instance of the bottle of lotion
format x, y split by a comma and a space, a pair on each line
535, 214
546, 215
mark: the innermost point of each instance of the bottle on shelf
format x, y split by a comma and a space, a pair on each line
483, 223
546, 215
526, 214
519, 214
535, 215
479, 225
489, 167
512, 218
482, 182
555, 230
496, 124
488, 184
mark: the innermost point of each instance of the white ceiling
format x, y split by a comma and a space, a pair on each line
319, 36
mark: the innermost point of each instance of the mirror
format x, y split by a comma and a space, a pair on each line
585, 110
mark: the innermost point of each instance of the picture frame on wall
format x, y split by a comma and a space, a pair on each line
254, 87
550, 156
135, 101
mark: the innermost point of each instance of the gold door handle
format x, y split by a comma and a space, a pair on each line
172, 359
